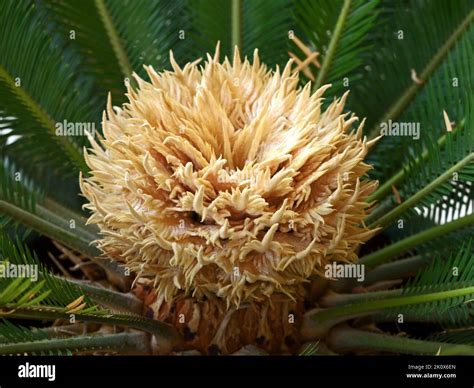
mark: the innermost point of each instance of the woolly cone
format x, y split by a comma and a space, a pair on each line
228, 183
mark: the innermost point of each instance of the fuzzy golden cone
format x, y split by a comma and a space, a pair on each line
228, 183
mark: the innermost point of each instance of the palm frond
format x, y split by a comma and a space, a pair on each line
439, 181
50, 297
270, 35
10, 333
116, 38
148, 30
436, 289
66, 290
82, 21
17, 191
16, 339
310, 349
447, 90
443, 244
50, 185
460, 336
443, 274
346, 340
339, 30
33, 106
210, 23
416, 35
243, 23
422, 238
63, 292
22, 298
22, 203
21, 292
318, 322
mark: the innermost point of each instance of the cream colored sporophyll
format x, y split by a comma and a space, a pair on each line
228, 184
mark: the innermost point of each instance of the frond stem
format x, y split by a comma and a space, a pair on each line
317, 322
414, 199
343, 339
327, 62
45, 120
115, 39
162, 331
399, 106
386, 188
45, 222
390, 251
128, 343
236, 23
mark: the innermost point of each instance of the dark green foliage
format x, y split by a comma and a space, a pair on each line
265, 26
407, 61
60, 291
442, 274
318, 20
33, 108
426, 26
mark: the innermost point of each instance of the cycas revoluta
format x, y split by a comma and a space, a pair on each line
221, 191
229, 184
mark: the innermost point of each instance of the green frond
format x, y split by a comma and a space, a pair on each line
438, 182
442, 274
457, 316
339, 30
15, 339
146, 31
422, 238
449, 90
458, 269
243, 22
455, 158
10, 333
25, 283
21, 292
64, 291
81, 21
16, 190
444, 244
318, 322
57, 189
162, 331
346, 340
116, 38
459, 336
58, 227
270, 35
50, 297
436, 289
21, 203
22, 298
416, 35
210, 23
35, 104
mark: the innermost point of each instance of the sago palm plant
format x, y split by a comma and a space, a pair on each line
305, 188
